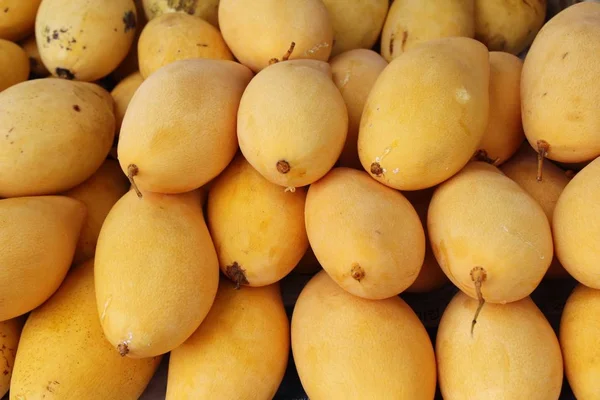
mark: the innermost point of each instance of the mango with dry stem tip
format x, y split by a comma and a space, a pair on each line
579, 331
208, 10
297, 139
513, 354
178, 36
367, 236
577, 227
239, 352
346, 347
84, 40
354, 74
410, 23
43, 118
17, 18
257, 32
272, 238
560, 87
14, 64
504, 133
522, 168
38, 235
156, 272
10, 333
179, 130
491, 238
426, 114
508, 26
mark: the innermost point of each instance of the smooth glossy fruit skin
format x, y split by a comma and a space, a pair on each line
84, 40
508, 26
14, 64
356, 24
559, 85
156, 272
239, 352
513, 353
63, 353
504, 133
10, 333
180, 126
257, 32
522, 168
208, 10
17, 19
577, 227
367, 236
482, 218
272, 238
296, 140
354, 74
45, 117
426, 114
38, 238
347, 348
122, 94
410, 23
99, 194
178, 36
579, 330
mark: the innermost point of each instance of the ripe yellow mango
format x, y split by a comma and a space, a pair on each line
504, 133
509, 26
272, 239
577, 227
156, 272
513, 354
122, 94
208, 10
84, 40
14, 64
43, 118
38, 238
354, 74
356, 24
178, 36
10, 333
560, 88
99, 193
410, 23
367, 236
179, 130
314, 115
484, 227
257, 32
346, 347
426, 114
17, 18
239, 352
579, 330
63, 353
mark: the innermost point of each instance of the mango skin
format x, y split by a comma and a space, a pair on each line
577, 228
84, 40
327, 322
17, 19
14, 64
73, 119
513, 353
38, 235
559, 85
63, 352
482, 218
155, 261
10, 333
579, 330
426, 114
208, 10
239, 352
122, 94
374, 251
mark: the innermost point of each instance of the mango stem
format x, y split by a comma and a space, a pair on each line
133, 170
478, 276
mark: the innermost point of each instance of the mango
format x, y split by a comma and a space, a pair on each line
17, 19
14, 64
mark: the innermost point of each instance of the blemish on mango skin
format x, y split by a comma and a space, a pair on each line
237, 274
129, 20
357, 272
